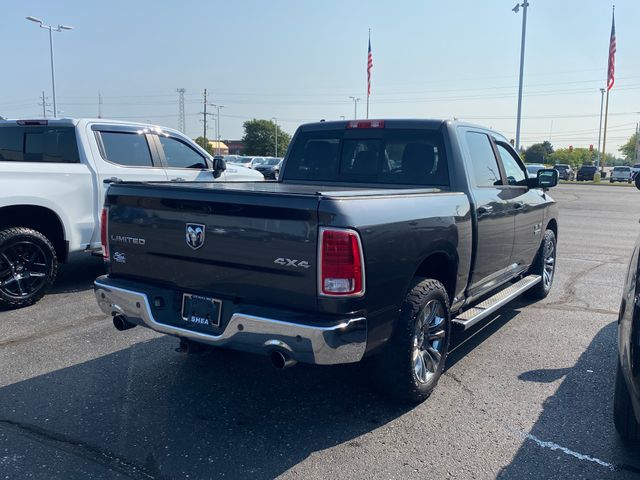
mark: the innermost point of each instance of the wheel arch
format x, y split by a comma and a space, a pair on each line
441, 265
39, 218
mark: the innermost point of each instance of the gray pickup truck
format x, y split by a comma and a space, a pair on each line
379, 238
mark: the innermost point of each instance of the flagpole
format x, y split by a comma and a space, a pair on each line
368, 79
610, 80
604, 138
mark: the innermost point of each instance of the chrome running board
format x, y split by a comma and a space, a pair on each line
472, 316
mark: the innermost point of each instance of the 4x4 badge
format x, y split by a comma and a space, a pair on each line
195, 235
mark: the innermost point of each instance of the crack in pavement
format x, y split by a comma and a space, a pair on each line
52, 331
569, 290
79, 448
572, 308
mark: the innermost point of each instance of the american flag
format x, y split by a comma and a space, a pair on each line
369, 67
612, 54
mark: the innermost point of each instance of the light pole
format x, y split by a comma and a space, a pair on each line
275, 121
51, 28
355, 107
600, 128
218, 107
524, 6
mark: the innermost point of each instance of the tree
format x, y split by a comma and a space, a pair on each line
204, 143
629, 149
538, 152
260, 138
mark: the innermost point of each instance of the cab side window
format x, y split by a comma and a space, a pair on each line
126, 148
513, 169
180, 155
485, 164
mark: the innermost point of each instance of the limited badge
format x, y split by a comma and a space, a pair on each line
195, 235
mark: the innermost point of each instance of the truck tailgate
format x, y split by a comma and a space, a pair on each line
257, 247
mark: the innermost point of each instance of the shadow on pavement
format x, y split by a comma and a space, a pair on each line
78, 276
573, 418
149, 412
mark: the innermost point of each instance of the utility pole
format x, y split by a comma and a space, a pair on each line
355, 107
275, 121
44, 105
600, 128
524, 6
99, 105
637, 149
181, 121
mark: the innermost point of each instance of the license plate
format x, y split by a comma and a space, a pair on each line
201, 311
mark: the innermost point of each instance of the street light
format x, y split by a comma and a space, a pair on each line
51, 28
355, 107
275, 121
217, 107
516, 9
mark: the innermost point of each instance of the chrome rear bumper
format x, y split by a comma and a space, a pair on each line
344, 342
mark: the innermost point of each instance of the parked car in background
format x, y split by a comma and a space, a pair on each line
53, 179
565, 171
621, 174
378, 239
626, 400
238, 160
270, 167
533, 168
586, 173
635, 169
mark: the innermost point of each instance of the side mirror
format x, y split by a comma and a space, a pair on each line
547, 178
219, 166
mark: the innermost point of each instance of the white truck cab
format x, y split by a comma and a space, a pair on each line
54, 174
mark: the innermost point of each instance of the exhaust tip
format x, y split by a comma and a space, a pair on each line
121, 323
281, 360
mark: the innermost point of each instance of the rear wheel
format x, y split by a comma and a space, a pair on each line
623, 416
28, 266
413, 360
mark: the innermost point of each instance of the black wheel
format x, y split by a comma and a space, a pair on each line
545, 266
623, 417
28, 266
410, 364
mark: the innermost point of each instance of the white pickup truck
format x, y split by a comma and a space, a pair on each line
53, 179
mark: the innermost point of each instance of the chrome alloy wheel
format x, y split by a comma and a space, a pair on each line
23, 269
429, 340
549, 264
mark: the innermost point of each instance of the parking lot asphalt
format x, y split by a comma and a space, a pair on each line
527, 394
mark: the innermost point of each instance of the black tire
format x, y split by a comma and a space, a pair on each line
396, 368
542, 260
28, 266
623, 417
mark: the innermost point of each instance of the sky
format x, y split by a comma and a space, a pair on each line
300, 61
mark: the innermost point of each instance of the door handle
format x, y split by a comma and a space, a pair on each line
178, 179
518, 205
485, 210
107, 181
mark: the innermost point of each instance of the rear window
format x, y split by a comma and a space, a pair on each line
385, 156
39, 144
622, 169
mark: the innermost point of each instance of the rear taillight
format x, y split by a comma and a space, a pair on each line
341, 264
104, 233
365, 124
